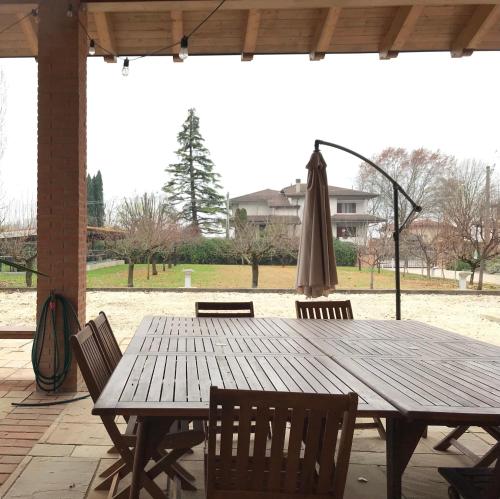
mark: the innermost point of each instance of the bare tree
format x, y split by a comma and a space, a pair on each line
473, 230
253, 243
375, 248
18, 241
146, 221
416, 171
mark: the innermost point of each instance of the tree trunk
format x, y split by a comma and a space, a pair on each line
163, 265
480, 276
130, 283
153, 264
359, 264
255, 273
29, 279
169, 265
473, 271
378, 268
372, 276
428, 271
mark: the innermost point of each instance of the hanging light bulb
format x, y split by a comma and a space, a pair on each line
183, 52
92, 47
125, 69
34, 13
69, 12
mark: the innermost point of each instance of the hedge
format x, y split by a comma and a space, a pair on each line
218, 251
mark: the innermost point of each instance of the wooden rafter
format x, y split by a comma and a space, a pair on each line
324, 34
105, 35
401, 28
480, 23
28, 27
177, 32
251, 34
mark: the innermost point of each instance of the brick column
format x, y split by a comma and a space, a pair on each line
62, 150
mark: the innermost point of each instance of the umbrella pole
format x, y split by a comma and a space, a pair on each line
396, 252
397, 228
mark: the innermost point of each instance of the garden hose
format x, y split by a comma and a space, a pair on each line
52, 381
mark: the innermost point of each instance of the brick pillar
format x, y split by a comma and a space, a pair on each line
62, 150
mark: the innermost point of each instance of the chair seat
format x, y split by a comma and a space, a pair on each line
470, 483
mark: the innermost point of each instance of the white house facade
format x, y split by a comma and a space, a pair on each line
349, 209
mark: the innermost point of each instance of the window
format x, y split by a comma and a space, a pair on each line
345, 232
346, 207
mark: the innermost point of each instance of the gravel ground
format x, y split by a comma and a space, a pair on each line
474, 316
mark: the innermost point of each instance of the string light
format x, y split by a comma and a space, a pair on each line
125, 69
92, 47
183, 52
69, 12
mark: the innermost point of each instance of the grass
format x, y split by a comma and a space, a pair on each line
238, 276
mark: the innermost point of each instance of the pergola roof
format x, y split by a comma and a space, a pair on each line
249, 27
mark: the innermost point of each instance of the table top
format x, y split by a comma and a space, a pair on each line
395, 366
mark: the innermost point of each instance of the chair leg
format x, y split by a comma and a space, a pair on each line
492, 455
107, 482
453, 435
114, 486
110, 470
425, 433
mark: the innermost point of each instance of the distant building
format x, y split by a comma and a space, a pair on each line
348, 208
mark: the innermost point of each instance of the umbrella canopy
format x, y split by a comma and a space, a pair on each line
316, 268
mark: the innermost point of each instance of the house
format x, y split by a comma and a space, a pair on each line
349, 209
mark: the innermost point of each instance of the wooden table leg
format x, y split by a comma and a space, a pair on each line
401, 440
139, 458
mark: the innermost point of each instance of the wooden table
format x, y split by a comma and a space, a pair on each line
410, 373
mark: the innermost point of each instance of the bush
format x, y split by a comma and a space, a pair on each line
218, 251
345, 253
205, 251
458, 265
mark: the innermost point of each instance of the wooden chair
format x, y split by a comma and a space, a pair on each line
224, 309
324, 309
96, 373
329, 309
302, 465
452, 440
107, 340
473, 483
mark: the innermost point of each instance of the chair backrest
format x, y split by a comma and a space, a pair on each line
91, 361
224, 309
324, 309
302, 464
107, 340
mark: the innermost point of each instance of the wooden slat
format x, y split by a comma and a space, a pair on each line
324, 33
401, 28
483, 19
251, 35
17, 332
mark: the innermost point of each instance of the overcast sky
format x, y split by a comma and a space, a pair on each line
260, 118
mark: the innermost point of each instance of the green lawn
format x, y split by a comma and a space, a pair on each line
237, 276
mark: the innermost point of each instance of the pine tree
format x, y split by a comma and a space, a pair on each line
193, 184
98, 199
90, 201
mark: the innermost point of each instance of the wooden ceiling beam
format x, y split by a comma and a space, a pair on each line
482, 20
251, 35
207, 5
30, 33
177, 33
324, 34
105, 35
401, 28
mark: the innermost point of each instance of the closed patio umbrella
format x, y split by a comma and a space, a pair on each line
316, 268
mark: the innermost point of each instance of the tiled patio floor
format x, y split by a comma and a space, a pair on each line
56, 452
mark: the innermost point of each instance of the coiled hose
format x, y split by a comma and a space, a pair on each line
46, 327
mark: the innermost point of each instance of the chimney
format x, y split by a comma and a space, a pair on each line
297, 185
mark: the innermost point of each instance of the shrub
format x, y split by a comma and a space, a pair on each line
458, 265
345, 253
